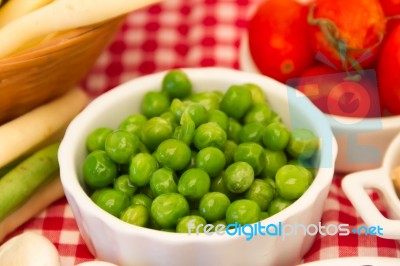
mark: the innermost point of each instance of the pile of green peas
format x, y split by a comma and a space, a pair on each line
198, 158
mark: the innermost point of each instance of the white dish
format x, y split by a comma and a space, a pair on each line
355, 185
111, 239
356, 261
362, 142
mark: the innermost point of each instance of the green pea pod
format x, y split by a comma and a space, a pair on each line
21, 182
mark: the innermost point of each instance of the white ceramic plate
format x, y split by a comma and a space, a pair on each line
356, 261
354, 186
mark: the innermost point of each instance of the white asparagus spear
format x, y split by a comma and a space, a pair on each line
18, 8
63, 15
27, 132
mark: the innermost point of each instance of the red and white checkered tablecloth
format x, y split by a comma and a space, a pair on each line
192, 33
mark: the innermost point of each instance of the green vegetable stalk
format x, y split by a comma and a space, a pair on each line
21, 182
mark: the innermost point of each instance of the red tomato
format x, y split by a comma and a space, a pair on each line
390, 7
278, 40
334, 93
360, 24
388, 71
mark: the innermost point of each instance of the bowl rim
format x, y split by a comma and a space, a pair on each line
73, 189
246, 63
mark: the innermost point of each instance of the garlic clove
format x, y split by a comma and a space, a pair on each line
29, 249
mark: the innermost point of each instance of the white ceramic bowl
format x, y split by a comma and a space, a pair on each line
355, 185
362, 142
110, 239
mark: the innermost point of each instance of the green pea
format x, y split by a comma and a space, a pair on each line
185, 132
273, 161
302, 143
121, 146
178, 107
238, 177
213, 206
218, 94
211, 160
258, 167
257, 94
112, 201
194, 183
243, 211
141, 199
192, 162
260, 192
234, 128
136, 215
220, 118
97, 138
141, 168
292, 181
95, 194
154, 104
133, 123
210, 100
99, 170
163, 181
198, 113
191, 224
167, 209
264, 215
123, 184
236, 101
271, 182
251, 153
220, 225
276, 136
154, 225
217, 185
146, 190
277, 205
173, 154
306, 163
170, 118
275, 117
260, 112
155, 131
177, 84
252, 132
209, 135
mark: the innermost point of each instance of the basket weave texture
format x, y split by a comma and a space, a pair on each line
31, 78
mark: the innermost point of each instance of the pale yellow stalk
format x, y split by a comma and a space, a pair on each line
27, 132
62, 15
17, 8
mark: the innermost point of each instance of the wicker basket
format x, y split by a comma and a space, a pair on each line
33, 77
